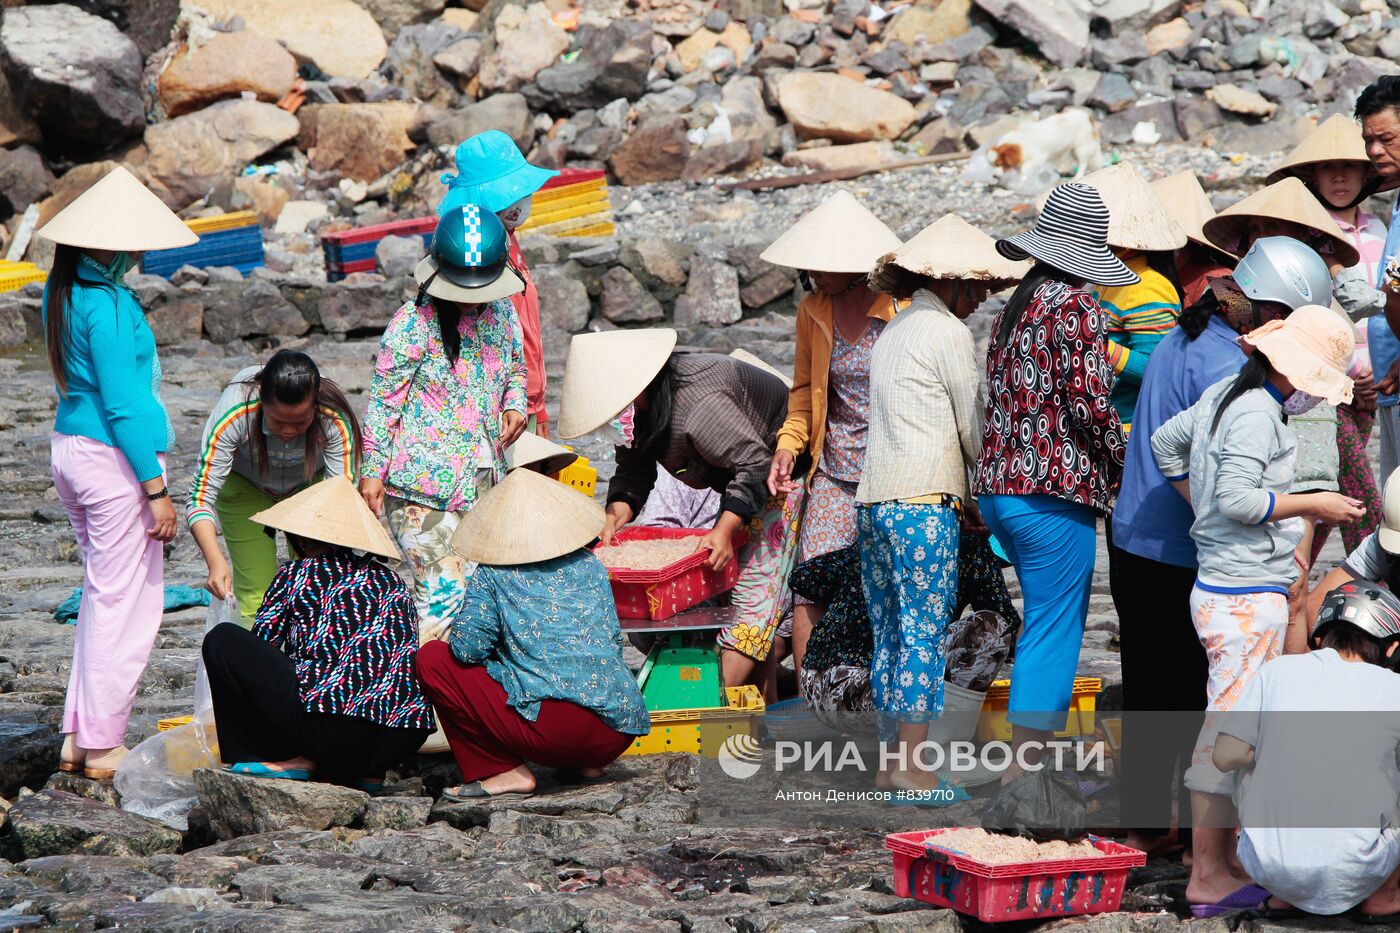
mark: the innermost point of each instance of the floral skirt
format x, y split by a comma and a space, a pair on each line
829, 521
761, 597
1354, 477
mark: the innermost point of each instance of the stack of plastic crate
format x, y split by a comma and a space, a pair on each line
224, 240
16, 275
573, 203
348, 251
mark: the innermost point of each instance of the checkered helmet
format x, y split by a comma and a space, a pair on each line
470, 246
1366, 605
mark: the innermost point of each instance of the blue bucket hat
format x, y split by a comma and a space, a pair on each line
468, 261
491, 172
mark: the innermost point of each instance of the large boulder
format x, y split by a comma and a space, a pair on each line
1133, 16
148, 23
189, 156
360, 141
564, 300
711, 297
24, 179
228, 65
508, 113
251, 308
242, 806
1059, 28
656, 151
523, 52
624, 300
55, 822
15, 125
28, 750
393, 15
613, 62
363, 302
337, 36
821, 105
74, 74
412, 66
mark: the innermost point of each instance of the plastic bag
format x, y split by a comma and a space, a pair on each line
220, 611
976, 648
156, 778
1042, 805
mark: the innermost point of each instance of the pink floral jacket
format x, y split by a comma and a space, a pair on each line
431, 424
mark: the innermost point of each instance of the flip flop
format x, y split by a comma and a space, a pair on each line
474, 791
1249, 897
260, 770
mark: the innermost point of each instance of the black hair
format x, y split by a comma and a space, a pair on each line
449, 316
655, 423
58, 292
1163, 262
1193, 320
1016, 306
1385, 92
1343, 637
1253, 375
290, 377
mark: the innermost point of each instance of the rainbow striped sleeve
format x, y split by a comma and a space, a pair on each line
222, 436
339, 457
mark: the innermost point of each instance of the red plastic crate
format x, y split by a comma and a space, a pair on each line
660, 594
573, 176
417, 225
1014, 891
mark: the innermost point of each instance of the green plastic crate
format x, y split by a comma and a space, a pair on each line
676, 677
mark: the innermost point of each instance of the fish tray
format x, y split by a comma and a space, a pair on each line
1037, 890
702, 731
660, 594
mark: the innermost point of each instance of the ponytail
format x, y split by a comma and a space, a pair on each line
1254, 374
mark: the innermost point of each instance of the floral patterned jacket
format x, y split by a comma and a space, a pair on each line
431, 425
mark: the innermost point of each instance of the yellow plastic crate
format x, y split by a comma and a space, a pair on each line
219, 222
173, 722
702, 731
579, 475
564, 192
16, 275
582, 226
993, 727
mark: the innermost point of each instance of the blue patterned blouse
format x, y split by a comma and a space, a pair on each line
349, 625
549, 631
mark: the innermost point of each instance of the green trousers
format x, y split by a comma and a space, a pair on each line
251, 550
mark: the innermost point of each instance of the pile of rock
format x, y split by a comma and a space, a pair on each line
325, 114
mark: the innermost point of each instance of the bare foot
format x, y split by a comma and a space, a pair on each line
914, 780
1382, 903
518, 780
103, 759
299, 763
71, 753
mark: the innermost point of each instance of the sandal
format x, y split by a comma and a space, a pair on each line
470, 793
261, 770
103, 773
1249, 897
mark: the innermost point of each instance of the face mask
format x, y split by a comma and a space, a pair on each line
1300, 403
120, 266
517, 213
622, 427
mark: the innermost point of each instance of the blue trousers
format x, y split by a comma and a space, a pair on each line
909, 571
1051, 542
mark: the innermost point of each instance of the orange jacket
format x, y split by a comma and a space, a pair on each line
805, 428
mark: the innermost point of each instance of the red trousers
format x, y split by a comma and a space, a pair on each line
489, 737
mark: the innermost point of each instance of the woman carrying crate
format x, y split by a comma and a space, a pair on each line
925, 436
835, 246
275, 428
108, 453
533, 671
492, 172
447, 399
712, 421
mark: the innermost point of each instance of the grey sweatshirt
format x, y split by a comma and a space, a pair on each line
1236, 472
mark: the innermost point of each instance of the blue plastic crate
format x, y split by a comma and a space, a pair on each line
337, 254
241, 247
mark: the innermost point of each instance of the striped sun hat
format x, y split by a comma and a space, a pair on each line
1072, 236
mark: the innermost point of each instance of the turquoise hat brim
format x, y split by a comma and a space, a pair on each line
499, 193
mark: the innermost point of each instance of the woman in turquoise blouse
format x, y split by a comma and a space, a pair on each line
108, 447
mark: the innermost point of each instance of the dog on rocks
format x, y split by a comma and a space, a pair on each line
1063, 142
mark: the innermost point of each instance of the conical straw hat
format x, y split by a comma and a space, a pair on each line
1336, 139
951, 248
838, 235
744, 356
526, 519
1137, 218
331, 511
606, 371
1188, 203
533, 450
118, 213
1289, 200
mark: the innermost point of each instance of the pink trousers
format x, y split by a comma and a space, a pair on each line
123, 587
